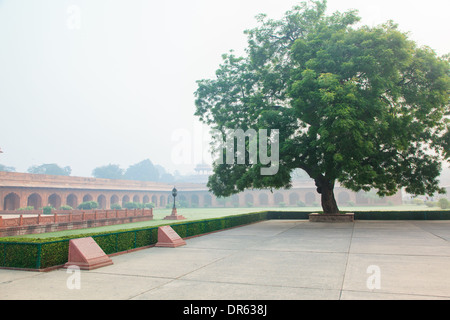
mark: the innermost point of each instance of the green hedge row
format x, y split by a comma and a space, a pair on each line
371, 215
408, 215
46, 253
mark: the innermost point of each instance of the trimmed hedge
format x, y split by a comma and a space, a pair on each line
371, 215
46, 253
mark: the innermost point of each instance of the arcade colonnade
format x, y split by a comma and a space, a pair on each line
19, 190
15, 198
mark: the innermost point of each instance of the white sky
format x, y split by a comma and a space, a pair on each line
120, 88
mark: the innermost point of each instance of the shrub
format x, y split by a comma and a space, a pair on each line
116, 206
66, 207
29, 208
282, 204
47, 210
301, 204
88, 205
431, 204
182, 204
149, 205
132, 205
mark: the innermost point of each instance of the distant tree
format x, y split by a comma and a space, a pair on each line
142, 171
110, 171
51, 169
164, 176
6, 168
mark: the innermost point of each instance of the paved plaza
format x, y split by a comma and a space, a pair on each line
270, 260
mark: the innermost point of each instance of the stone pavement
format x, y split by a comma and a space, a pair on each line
271, 260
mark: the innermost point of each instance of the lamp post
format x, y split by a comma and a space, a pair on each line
174, 215
174, 194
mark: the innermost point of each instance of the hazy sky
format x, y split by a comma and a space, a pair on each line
88, 83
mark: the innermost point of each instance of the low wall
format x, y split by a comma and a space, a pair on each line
69, 220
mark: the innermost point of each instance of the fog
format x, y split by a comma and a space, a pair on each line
89, 83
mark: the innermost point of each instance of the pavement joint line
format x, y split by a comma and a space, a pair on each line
423, 229
346, 262
292, 227
255, 284
400, 254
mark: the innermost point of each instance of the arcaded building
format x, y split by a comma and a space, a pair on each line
19, 190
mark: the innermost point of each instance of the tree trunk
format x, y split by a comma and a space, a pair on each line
326, 189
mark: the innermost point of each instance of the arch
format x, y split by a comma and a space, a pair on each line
182, 200
162, 201
101, 200
294, 198
310, 198
155, 200
235, 200
136, 198
194, 201
34, 200
361, 198
343, 198
11, 201
278, 198
87, 197
72, 200
125, 199
114, 199
207, 200
249, 199
146, 199
54, 200
263, 199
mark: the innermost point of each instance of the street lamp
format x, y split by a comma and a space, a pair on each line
174, 215
174, 194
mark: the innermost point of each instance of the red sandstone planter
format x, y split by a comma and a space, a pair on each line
320, 217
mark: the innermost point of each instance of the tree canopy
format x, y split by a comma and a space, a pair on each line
51, 169
362, 106
142, 171
110, 171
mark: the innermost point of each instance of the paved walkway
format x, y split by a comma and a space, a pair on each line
271, 260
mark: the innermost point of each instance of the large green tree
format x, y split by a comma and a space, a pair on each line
362, 106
